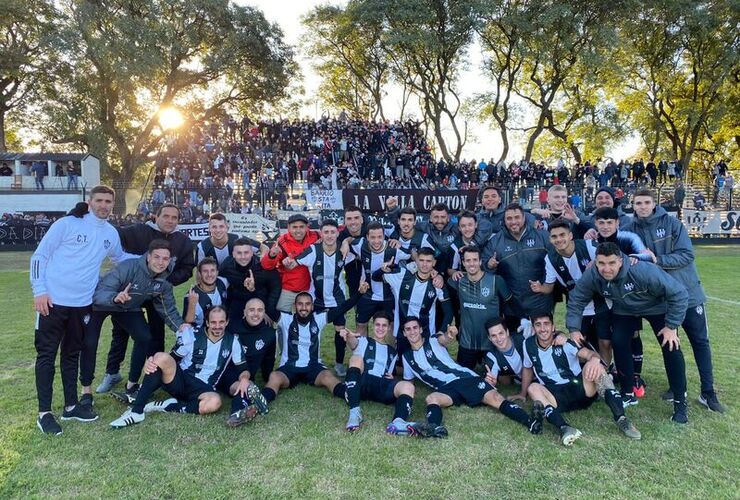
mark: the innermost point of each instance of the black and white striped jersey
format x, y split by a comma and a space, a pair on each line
556, 365
433, 365
206, 300
301, 342
414, 297
379, 359
327, 286
204, 359
508, 363
372, 261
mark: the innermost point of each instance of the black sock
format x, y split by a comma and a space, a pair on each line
238, 403
339, 390
514, 412
614, 401
434, 415
340, 346
553, 416
637, 355
192, 406
352, 383
269, 394
403, 407
151, 383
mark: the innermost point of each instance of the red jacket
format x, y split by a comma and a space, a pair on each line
297, 279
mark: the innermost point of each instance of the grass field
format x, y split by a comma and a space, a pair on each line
300, 449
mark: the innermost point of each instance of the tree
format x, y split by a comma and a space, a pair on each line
682, 73
25, 53
425, 42
126, 60
351, 62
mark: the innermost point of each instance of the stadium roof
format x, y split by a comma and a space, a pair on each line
58, 157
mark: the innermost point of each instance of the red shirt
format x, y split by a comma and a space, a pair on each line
297, 279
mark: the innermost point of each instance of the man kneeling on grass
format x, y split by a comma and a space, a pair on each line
193, 373
562, 385
370, 378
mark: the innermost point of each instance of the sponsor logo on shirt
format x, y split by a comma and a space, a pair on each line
473, 305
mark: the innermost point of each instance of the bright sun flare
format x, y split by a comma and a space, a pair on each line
170, 118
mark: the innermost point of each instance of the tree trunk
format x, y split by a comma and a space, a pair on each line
576, 153
2, 131
505, 140
532, 139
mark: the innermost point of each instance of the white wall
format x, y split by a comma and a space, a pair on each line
35, 202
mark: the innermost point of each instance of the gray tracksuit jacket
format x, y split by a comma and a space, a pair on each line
668, 239
144, 286
520, 261
640, 290
492, 221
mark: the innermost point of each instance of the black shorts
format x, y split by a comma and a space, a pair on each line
597, 327
367, 307
469, 391
378, 389
571, 396
338, 321
186, 387
306, 374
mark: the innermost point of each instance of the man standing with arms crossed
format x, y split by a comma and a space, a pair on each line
64, 305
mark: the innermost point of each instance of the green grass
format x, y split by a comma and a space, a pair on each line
301, 450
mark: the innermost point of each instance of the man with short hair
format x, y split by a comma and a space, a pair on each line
64, 305
281, 257
557, 206
637, 291
258, 338
428, 360
210, 290
135, 239
439, 228
300, 335
670, 248
121, 293
373, 252
220, 242
370, 377
355, 227
482, 295
192, 373
503, 361
562, 384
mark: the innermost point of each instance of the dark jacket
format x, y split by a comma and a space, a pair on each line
144, 286
668, 239
266, 286
640, 290
136, 238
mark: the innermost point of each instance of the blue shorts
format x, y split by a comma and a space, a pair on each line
378, 389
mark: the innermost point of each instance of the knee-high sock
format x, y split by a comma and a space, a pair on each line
339, 390
554, 416
238, 403
434, 415
269, 394
514, 412
614, 401
352, 383
151, 383
403, 407
637, 354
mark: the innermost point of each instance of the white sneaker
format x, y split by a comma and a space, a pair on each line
158, 406
128, 418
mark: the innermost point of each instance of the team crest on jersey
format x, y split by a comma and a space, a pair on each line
584, 262
530, 242
225, 354
259, 344
699, 310
86, 318
485, 291
450, 238
431, 294
156, 286
430, 354
629, 286
507, 249
558, 351
200, 352
406, 287
314, 329
481, 385
660, 232
106, 244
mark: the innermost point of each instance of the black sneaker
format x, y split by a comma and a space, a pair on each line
538, 416
710, 401
49, 425
86, 400
439, 432
680, 412
80, 413
128, 396
629, 400
667, 396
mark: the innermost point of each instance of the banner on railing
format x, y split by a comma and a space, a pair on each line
22, 232
324, 198
252, 225
706, 222
373, 200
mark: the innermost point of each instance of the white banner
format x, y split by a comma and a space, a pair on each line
252, 225
706, 222
322, 199
196, 232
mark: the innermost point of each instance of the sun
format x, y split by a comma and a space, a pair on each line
170, 118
